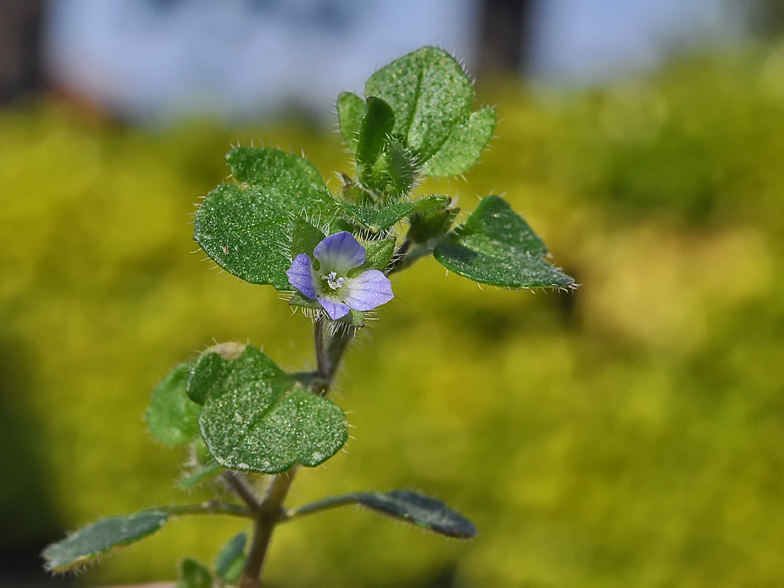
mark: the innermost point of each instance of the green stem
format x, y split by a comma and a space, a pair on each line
210, 507
269, 513
335, 349
321, 358
318, 506
242, 490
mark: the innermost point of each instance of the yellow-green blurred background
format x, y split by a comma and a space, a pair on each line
630, 434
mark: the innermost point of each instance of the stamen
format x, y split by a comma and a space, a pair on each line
333, 281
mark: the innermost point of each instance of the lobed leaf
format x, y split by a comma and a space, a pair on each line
428, 92
246, 229
256, 417
496, 246
273, 168
91, 542
229, 365
173, 417
431, 98
382, 217
463, 146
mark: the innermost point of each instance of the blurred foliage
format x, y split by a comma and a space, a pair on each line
630, 434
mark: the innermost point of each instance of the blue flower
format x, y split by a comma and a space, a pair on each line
337, 294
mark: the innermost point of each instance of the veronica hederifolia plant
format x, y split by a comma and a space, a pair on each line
278, 224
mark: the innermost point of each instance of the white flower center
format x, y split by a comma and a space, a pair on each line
333, 281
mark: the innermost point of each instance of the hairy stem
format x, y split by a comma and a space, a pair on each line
321, 358
241, 489
318, 506
336, 347
210, 507
269, 512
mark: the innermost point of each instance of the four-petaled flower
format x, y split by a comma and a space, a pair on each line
337, 294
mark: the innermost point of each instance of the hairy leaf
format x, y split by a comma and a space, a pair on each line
228, 365
378, 255
428, 92
304, 237
431, 97
496, 246
464, 146
246, 229
399, 169
173, 417
256, 417
231, 559
264, 166
377, 123
197, 475
384, 216
351, 108
411, 507
194, 575
93, 541
419, 510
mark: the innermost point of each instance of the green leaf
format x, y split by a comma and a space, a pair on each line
433, 223
377, 124
173, 417
198, 474
272, 168
304, 237
429, 93
351, 108
378, 254
464, 146
194, 575
256, 417
382, 217
229, 365
411, 507
353, 192
400, 169
93, 541
495, 246
246, 229
419, 510
231, 559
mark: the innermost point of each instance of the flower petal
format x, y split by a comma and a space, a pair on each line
340, 253
368, 290
335, 310
301, 275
